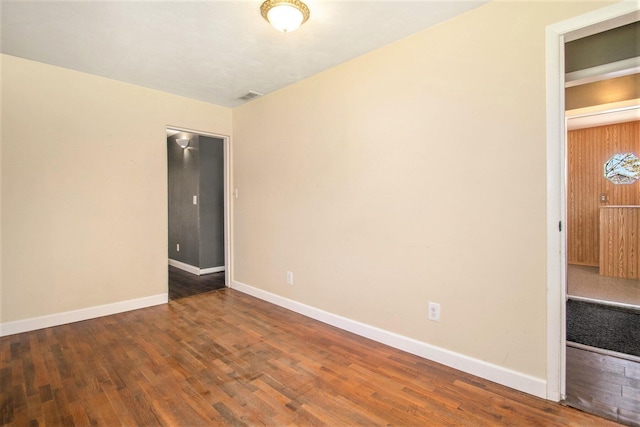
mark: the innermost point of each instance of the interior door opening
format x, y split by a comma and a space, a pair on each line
602, 201
557, 35
197, 206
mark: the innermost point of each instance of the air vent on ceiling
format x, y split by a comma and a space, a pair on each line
251, 95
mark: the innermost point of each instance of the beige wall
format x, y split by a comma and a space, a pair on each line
84, 187
1, 187
415, 173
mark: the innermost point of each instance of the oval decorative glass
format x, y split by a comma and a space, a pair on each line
622, 168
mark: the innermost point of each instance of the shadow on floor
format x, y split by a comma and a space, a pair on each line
183, 284
603, 385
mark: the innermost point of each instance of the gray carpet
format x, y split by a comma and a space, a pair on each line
602, 326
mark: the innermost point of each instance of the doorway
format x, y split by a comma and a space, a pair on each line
198, 244
601, 286
556, 35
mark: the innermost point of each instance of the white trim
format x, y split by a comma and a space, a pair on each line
602, 302
489, 371
556, 35
184, 266
193, 269
626, 67
556, 276
211, 270
228, 211
608, 108
57, 319
604, 114
606, 352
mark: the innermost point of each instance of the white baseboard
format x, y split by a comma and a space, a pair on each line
57, 319
602, 302
507, 377
184, 266
193, 269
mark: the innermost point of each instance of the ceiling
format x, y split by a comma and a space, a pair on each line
214, 51
603, 76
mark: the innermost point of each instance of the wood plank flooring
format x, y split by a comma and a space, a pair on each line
225, 358
183, 284
604, 385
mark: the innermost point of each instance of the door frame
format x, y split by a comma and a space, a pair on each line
228, 225
556, 36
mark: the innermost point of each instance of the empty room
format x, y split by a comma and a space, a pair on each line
389, 219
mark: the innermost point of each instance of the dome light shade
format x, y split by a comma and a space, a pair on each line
285, 15
182, 142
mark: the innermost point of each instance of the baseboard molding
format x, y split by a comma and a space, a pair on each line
57, 319
611, 353
184, 266
193, 269
602, 302
513, 379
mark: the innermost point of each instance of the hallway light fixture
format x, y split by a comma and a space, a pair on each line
285, 15
182, 142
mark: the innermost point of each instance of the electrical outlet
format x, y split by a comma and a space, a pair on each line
434, 311
289, 277
177, 247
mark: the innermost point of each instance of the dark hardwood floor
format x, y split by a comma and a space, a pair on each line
604, 385
183, 284
225, 358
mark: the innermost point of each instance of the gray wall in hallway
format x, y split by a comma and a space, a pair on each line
183, 185
198, 229
603, 48
211, 202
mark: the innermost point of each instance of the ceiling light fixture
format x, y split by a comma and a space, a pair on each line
285, 15
182, 142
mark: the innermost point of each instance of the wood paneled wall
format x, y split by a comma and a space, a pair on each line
620, 242
588, 150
